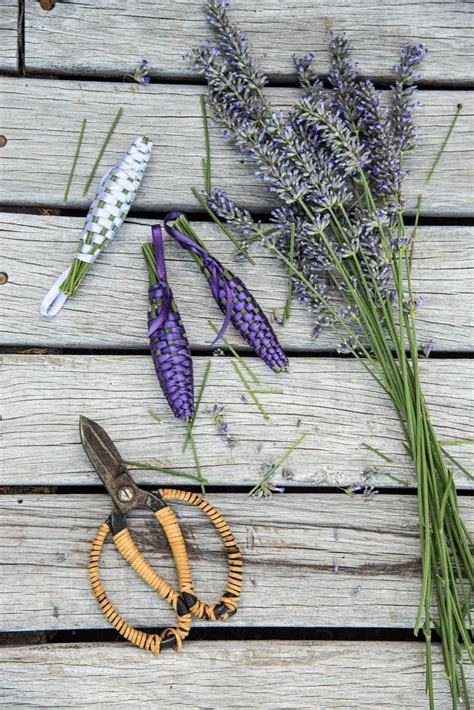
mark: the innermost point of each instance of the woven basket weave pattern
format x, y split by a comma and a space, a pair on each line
171, 354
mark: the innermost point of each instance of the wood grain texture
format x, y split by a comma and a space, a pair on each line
162, 32
222, 674
9, 38
334, 400
110, 309
42, 120
309, 561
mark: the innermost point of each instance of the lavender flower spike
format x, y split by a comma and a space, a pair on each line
168, 341
235, 301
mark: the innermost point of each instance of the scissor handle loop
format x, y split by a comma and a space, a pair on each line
151, 642
227, 605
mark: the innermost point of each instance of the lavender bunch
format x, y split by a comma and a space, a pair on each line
232, 296
168, 340
334, 164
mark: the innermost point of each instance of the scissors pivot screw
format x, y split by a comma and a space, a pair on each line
125, 494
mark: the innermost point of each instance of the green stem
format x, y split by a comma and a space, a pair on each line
75, 159
198, 403
250, 390
154, 466
207, 142
286, 312
444, 143
234, 352
107, 138
278, 463
378, 452
197, 463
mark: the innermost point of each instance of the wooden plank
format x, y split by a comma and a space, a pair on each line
91, 38
276, 674
35, 249
310, 561
42, 119
9, 37
333, 400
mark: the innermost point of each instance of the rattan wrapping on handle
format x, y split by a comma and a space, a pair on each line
175, 539
231, 596
185, 603
142, 639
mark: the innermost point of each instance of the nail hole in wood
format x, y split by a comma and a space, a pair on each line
3, 278
3, 141
47, 4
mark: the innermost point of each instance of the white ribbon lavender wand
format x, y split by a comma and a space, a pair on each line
117, 191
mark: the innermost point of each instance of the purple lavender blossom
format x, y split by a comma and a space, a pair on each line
314, 161
406, 73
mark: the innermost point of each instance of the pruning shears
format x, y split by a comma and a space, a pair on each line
127, 496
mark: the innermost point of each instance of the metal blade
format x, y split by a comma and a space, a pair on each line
100, 449
110, 466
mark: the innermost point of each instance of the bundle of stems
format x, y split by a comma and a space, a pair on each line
381, 331
335, 163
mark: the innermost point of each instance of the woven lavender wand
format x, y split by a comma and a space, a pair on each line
168, 340
109, 208
234, 300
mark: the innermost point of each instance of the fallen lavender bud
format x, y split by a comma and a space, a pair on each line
168, 340
217, 414
141, 74
234, 300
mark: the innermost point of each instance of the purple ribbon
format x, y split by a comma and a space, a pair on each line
160, 289
210, 263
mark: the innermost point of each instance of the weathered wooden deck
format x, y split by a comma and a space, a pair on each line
332, 581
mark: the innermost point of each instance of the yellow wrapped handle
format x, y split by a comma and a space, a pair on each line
185, 603
151, 642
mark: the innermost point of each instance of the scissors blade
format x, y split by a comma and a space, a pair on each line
100, 449
110, 466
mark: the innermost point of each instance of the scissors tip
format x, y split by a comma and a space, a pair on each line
85, 423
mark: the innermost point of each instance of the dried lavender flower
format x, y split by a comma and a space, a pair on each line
141, 74
406, 73
217, 414
168, 340
334, 163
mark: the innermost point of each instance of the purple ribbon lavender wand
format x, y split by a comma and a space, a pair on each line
168, 340
234, 300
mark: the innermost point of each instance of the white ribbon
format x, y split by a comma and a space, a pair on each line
54, 299
117, 191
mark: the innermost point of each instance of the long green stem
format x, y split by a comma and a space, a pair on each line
239, 359
444, 143
102, 150
75, 159
207, 143
198, 404
197, 463
156, 466
250, 391
289, 296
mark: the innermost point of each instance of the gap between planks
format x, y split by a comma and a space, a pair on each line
110, 310
50, 111
163, 32
333, 399
310, 561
